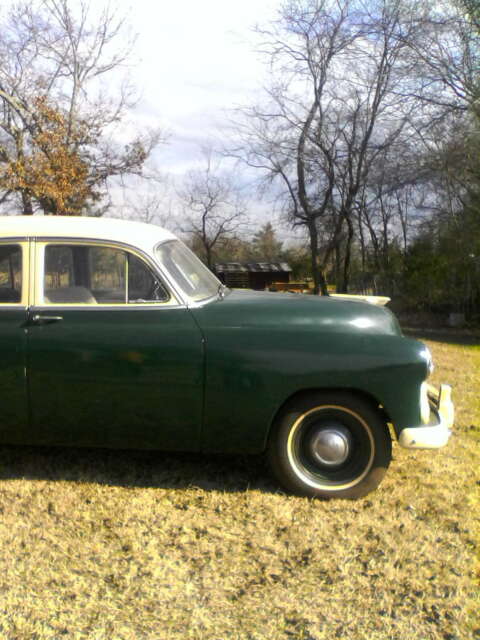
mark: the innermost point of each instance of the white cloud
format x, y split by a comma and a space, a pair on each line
197, 60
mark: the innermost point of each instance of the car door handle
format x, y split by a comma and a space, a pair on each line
40, 319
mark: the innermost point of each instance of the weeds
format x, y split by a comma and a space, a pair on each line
129, 545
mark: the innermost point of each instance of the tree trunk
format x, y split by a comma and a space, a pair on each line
348, 258
27, 204
361, 236
337, 252
208, 256
319, 281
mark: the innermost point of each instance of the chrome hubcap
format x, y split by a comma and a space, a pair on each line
331, 445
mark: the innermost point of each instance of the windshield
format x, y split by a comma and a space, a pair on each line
190, 274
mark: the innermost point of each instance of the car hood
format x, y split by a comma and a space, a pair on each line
246, 308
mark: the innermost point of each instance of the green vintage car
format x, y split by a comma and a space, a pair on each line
113, 334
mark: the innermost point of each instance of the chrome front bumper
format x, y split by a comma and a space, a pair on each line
436, 435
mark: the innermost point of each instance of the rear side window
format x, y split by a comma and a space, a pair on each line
76, 274
10, 273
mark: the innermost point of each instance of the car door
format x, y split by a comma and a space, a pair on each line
14, 259
115, 359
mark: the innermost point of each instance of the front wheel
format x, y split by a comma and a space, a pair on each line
330, 445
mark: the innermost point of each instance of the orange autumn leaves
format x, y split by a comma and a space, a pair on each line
48, 166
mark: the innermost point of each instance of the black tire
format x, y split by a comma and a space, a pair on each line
330, 445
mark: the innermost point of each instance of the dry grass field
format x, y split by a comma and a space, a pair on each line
121, 545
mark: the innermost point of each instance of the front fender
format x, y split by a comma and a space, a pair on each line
251, 372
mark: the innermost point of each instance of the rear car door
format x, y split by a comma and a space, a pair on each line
14, 260
115, 359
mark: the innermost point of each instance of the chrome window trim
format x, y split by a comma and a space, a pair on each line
202, 303
196, 304
189, 302
153, 265
107, 307
24, 244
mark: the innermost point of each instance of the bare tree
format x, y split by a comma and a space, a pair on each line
149, 200
330, 112
60, 53
213, 205
389, 203
445, 55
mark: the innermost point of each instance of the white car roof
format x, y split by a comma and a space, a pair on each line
138, 234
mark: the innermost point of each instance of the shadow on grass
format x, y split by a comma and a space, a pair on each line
449, 336
144, 469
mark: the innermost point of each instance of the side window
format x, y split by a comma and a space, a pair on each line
58, 268
143, 286
106, 268
10, 274
76, 274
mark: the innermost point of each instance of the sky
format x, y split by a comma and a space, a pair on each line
195, 61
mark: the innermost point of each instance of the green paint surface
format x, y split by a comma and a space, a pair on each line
211, 377
117, 378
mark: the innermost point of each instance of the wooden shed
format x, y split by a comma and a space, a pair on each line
252, 275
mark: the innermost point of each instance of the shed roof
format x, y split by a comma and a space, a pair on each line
252, 267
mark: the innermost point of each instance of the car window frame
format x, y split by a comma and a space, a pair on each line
40, 245
24, 245
191, 303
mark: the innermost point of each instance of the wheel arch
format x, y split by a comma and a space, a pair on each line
352, 391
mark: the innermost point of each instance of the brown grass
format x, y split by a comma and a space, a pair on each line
140, 545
